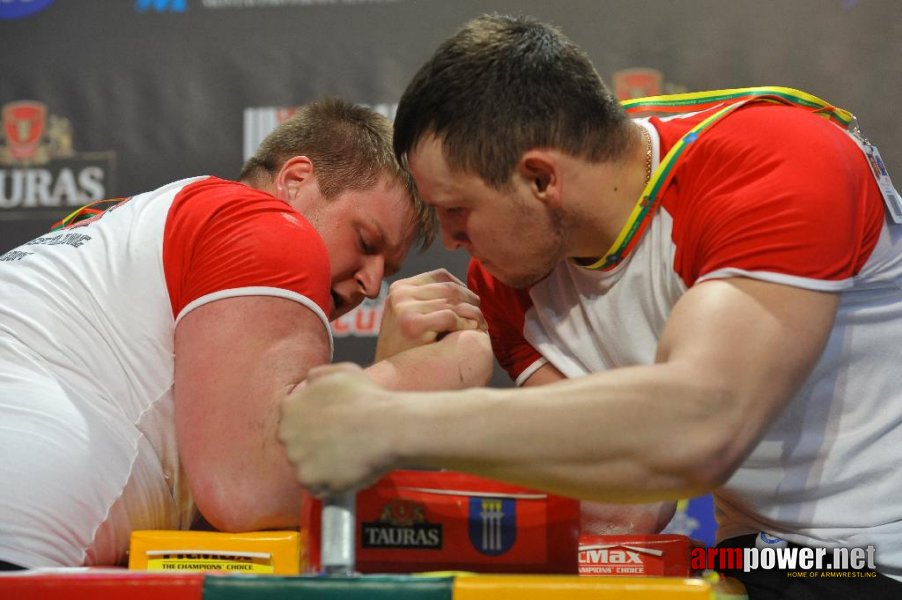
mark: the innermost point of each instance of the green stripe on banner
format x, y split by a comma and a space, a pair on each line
375, 587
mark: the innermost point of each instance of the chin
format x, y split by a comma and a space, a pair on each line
336, 307
539, 267
519, 281
340, 309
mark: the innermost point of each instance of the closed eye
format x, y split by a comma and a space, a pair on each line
365, 246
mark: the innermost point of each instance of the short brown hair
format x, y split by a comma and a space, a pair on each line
503, 85
350, 147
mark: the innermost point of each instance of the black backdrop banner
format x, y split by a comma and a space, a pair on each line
113, 97
109, 98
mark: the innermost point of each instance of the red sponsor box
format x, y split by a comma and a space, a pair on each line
659, 555
413, 521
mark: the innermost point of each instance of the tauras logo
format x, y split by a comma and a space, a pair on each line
381, 535
39, 168
402, 524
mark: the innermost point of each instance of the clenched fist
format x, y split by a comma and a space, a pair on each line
419, 309
329, 430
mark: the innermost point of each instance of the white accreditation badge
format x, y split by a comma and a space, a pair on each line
881, 175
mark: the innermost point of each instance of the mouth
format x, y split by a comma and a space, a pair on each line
337, 304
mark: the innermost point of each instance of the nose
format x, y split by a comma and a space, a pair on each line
369, 278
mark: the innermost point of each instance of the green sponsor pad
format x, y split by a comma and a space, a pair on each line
369, 587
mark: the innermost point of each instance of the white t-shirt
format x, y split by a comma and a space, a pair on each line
87, 322
770, 193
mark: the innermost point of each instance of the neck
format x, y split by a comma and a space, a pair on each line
604, 197
262, 183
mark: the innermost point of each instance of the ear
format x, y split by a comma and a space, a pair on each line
293, 179
539, 169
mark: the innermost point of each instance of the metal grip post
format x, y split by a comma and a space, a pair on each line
338, 540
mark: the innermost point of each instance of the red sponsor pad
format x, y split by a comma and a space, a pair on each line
659, 555
99, 584
413, 521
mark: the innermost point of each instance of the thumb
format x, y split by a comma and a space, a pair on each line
322, 371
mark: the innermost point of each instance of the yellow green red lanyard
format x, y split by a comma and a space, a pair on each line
728, 101
88, 211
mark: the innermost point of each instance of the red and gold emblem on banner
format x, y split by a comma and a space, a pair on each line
403, 513
39, 168
31, 136
23, 127
637, 83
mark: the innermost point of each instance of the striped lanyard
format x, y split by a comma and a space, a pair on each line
725, 101
88, 212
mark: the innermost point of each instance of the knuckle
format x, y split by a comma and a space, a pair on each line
451, 288
395, 286
409, 326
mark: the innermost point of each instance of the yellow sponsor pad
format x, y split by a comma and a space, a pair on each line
200, 560
264, 552
562, 587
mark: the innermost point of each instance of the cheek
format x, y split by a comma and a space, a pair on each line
344, 264
504, 231
341, 257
